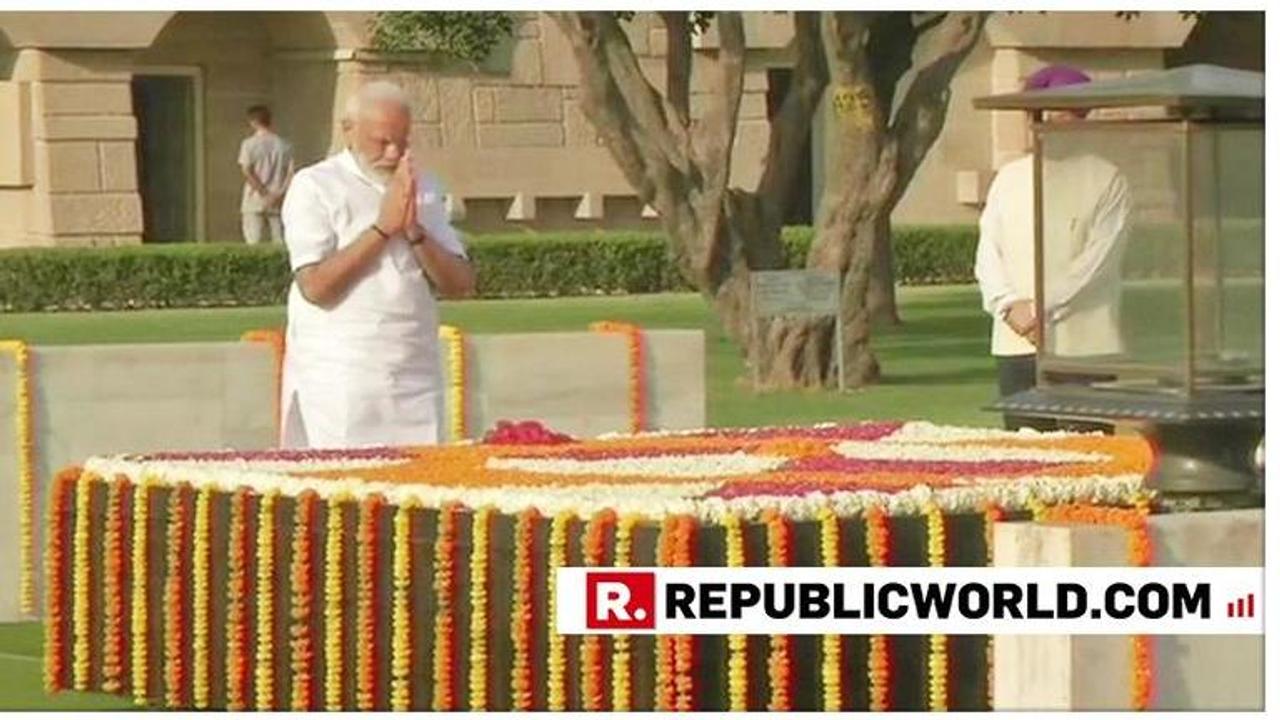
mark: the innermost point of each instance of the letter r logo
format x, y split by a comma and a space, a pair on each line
620, 601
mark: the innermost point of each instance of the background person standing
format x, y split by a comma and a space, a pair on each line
266, 162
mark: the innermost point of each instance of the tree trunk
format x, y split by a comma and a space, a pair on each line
881, 294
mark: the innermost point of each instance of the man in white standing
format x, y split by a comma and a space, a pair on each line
370, 246
1083, 295
266, 162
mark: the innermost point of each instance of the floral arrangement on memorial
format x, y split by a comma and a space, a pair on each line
422, 578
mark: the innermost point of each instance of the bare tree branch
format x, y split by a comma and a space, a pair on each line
792, 123
679, 62
720, 126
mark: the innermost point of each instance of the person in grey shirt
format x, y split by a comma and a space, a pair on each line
266, 162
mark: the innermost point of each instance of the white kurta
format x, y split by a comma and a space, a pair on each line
1087, 216
365, 371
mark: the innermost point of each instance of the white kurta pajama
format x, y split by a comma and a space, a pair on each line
365, 371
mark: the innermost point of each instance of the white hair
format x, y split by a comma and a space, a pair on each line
376, 92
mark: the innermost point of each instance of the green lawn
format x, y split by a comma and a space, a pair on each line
935, 366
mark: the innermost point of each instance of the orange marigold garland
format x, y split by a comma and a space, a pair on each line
239, 542
991, 515
938, 650
479, 660
638, 363
832, 691
685, 647
879, 662
401, 597
55, 634
556, 661
366, 601
446, 567
139, 574
301, 576
1140, 555
201, 598
81, 579
274, 338
780, 678
24, 442
264, 676
664, 685
113, 564
735, 556
591, 649
622, 700
175, 592
522, 612
333, 604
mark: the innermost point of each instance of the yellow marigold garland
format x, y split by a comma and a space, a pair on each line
201, 598
113, 564
556, 661
621, 668
264, 657
366, 601
55, 635
591, 651
239, 541
1140, 555
24, 442
401, 597
638, 369
446, 566
522, 612
274, 338
938, 650
664, 687
139, 574
81, 579
879, 664
175, 590
735, 556
478, 663
333, 605
780, 677
832, 691
301, 572
456, 384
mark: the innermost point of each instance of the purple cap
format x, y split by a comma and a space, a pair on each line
1055, 76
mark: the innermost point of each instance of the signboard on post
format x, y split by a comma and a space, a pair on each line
797, 293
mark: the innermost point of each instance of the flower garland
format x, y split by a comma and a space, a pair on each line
479, 661
621, 665
1140, 552
991, 515
301, 572
238, 543
24, 427
264, 670
591, 649
456, 392
938, 645
780, 679
274, 338
735, 556
446, 567
138, 575
401, 592
556, 662
366, 601
685, 647
113, 564
879, 662
832, 691
55, 635
638, 369
81, 579
201, 598
175, 590
333, 605
522, 612
664, 688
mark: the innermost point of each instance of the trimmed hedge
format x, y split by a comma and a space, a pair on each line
508, 265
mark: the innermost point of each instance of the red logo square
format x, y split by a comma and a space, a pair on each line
621, 601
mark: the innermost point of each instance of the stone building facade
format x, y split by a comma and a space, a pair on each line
121, 128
